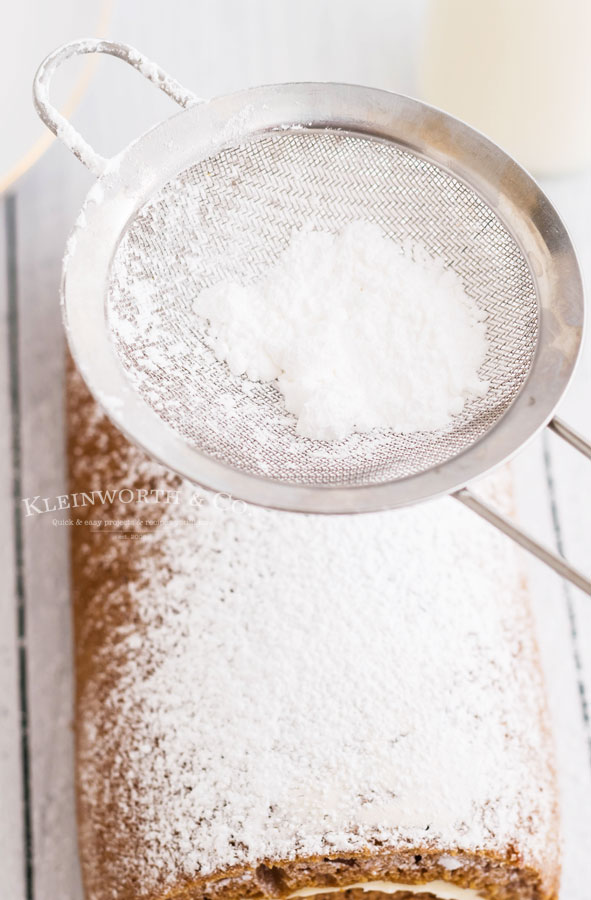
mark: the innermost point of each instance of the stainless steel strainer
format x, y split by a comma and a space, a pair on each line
214, 194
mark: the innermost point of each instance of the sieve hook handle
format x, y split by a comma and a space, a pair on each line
521, 537
59, 125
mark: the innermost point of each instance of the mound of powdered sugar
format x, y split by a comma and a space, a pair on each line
357, 332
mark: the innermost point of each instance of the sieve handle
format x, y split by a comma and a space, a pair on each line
521, 537
59, 125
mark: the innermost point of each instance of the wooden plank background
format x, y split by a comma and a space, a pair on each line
37, 829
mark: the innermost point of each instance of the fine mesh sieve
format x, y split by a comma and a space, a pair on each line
215, 193
178, 244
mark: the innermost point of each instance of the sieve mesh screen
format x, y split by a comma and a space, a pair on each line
228, 217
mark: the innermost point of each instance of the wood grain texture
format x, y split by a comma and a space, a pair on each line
12, 834
44, 208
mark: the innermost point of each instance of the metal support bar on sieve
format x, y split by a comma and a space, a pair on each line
521, 537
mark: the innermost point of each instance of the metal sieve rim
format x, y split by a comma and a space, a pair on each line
456, 148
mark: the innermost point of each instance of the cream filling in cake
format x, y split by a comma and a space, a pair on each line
443, 890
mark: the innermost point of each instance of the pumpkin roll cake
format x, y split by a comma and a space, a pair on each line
278, 706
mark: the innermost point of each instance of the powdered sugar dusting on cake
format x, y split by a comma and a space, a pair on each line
290, 686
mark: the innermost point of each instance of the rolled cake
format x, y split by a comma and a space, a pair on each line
274, 705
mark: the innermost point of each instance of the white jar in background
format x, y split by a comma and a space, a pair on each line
517, 70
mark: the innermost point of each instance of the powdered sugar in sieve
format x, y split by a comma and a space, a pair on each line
228, 218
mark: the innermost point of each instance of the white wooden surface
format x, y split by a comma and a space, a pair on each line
215, 47
554, 501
